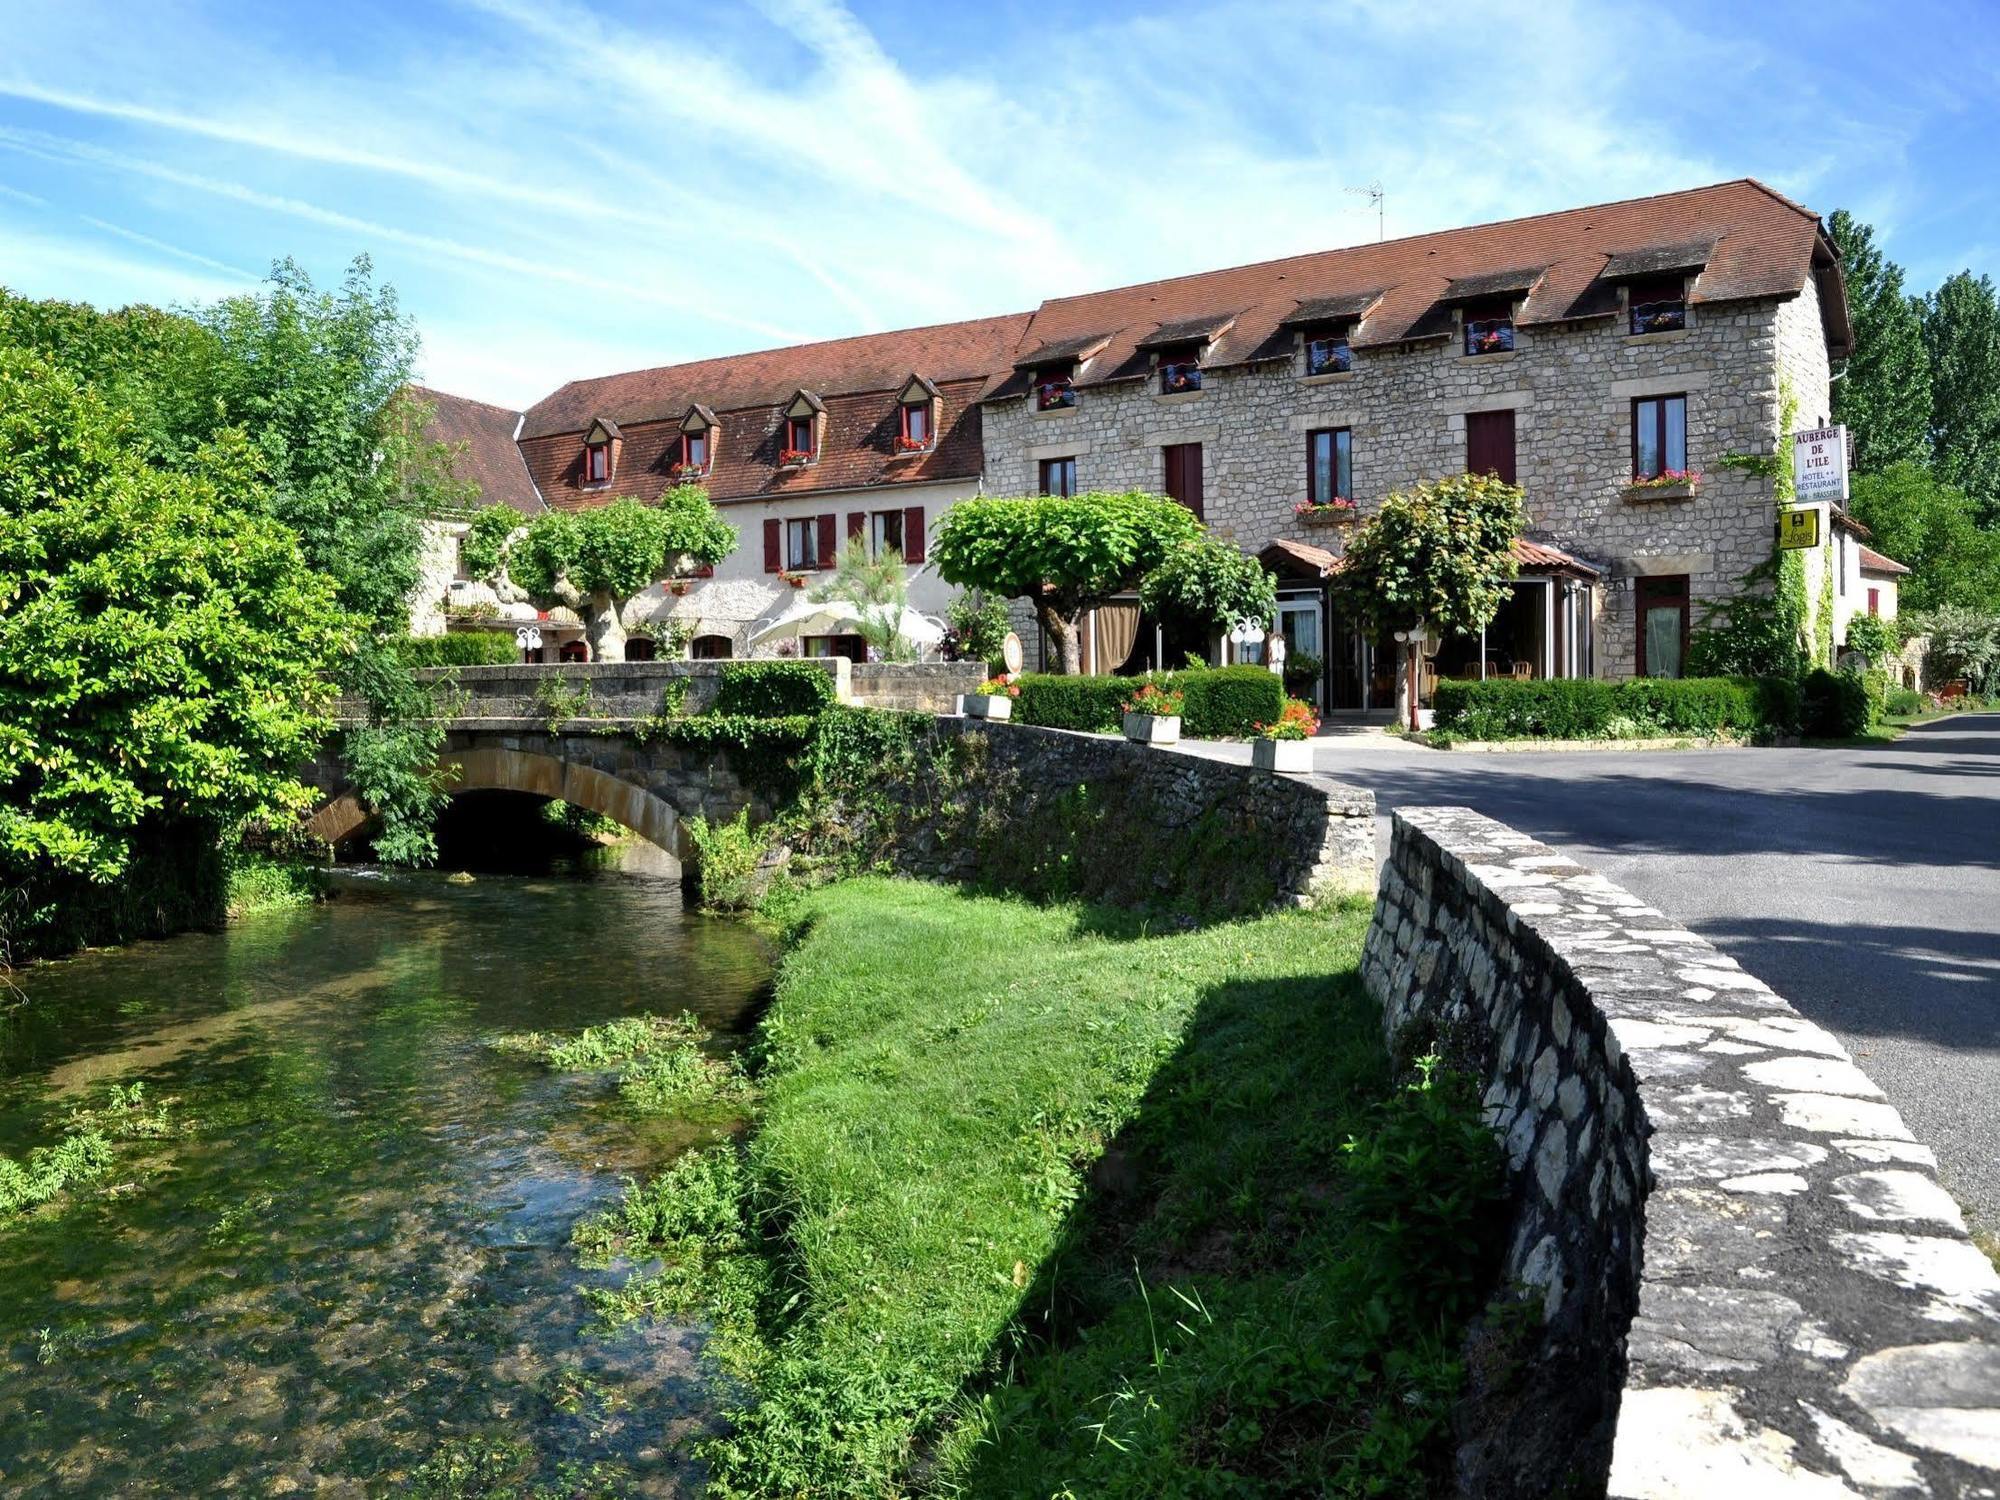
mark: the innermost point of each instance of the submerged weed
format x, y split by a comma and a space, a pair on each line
663, 1069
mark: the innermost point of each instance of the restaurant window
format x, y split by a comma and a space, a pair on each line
1329, 465
1059, 476
1662, 610
1659, 436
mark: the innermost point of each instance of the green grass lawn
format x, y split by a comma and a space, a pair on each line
1038, 1202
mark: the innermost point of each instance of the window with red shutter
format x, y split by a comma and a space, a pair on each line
913, 534
1183, 464
1489, 444
774, 546
857, 525
829, 543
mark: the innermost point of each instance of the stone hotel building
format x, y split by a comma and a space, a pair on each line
1591, 356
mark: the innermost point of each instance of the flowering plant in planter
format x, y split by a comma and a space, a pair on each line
910, 444
1667, 479
1161, 703
1296, 721
1006, 683
791, 456
687, 471
994, 698
796, 580
1339, 505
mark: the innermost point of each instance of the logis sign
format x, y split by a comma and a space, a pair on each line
1819, 463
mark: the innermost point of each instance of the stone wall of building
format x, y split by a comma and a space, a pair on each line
1570, 387
1748, 1279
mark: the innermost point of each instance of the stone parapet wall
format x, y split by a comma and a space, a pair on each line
928, 687
1748, 1280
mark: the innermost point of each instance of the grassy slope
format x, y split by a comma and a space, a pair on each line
941, 1073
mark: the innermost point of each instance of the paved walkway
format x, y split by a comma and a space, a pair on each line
1862, 884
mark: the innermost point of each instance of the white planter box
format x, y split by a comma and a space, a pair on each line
1281, 755
1153, 729
988, 706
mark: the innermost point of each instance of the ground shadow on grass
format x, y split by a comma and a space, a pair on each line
1238, 1304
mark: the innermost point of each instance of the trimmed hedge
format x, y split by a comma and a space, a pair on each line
458, 648
1219, 702
1835, 705
1585, 708
773, 689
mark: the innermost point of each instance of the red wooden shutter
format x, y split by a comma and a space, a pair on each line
1489, 444
1184, 474
857, 525
828, 542
774, 546
913, 534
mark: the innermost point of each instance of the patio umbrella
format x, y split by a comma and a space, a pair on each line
841, 617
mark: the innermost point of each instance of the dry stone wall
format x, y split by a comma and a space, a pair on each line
1746, 1277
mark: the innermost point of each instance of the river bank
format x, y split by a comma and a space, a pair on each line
1036, 1196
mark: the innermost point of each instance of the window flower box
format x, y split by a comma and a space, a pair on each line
688, 471
905, 446
794, 458
1669, 484
796, 580
1336, 512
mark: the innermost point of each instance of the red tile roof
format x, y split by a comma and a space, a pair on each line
1874, 562
1541, 557
1286, 555
487, 456
1764, 246
871, 362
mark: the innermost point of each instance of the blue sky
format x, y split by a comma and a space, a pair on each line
581, 186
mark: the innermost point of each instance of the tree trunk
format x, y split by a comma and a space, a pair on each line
604, 628
1064, 631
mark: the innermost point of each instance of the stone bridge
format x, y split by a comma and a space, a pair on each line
508, 736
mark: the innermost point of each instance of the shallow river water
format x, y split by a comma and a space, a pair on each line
350, 1260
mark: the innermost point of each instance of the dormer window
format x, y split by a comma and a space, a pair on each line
600, 453
1329, 354
1179, 374
1054, 389
805, 415
1490, 329
1658, 306
918, 408
693, 447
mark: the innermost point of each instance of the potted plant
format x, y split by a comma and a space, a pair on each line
796, 580
994, 698
678, 587
1668, 484
687, 471
1153, 715
1285, 744
1339, 508
791, 458
907, 445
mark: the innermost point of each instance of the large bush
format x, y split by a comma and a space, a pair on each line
1834, 705
458, 648
773, 689
1584, 708
1219, 703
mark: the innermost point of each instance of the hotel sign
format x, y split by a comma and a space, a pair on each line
1799, 529
1819, 463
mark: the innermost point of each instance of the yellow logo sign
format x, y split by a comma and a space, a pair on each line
1797, 529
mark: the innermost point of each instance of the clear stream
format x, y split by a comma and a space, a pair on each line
354, 1259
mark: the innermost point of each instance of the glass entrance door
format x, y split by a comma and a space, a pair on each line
1302, 623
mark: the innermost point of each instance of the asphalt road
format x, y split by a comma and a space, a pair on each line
1861, 884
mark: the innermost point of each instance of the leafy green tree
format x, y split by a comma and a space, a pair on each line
1964, 645
1962, 338
166, 652
1209, 582
597, 561
879, 589
1064, 554
1932, 527
1885, 396
1442, 553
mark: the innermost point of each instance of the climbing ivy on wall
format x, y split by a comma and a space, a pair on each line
1764, 631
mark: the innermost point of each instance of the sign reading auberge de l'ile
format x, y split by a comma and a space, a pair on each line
1819, 463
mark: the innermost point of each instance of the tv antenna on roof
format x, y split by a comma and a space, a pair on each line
1373, 193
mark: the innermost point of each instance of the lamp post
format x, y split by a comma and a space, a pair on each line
1414, 638
1244, 634
529, 639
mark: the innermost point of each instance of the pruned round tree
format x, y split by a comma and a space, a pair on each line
1063, 553
1441, 553
1210, 582
596, 561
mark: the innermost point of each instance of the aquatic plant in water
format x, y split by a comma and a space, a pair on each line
85, 1152
663, 1067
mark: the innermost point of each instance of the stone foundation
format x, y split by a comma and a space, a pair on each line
1746, 1279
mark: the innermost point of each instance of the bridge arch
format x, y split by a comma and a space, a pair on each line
631, 806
